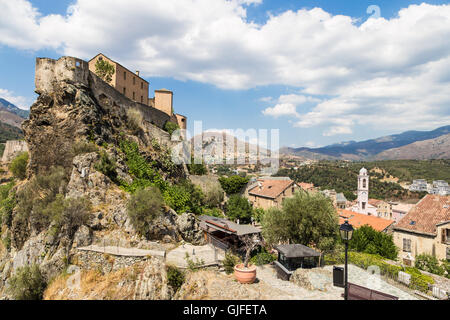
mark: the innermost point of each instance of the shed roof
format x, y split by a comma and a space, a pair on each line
227, 226
296, 251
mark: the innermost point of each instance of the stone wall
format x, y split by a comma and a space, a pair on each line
13, 148
92, 260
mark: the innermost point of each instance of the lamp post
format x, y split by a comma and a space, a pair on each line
346, 231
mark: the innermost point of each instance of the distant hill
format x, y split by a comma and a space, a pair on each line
11, 114
374, 148
437, 148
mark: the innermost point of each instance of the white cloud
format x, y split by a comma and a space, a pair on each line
18, 101
337, 130
374, 73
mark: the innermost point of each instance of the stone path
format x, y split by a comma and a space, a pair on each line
198, 254
357, 276
120, 251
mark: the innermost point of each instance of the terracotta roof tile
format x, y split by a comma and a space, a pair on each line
428, 212
270, 188
306, 186
358, 220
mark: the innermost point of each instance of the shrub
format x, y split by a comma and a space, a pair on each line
368, 240
213, 212
175, 277
430, 264
213, 196
27, 284
82, 147
134, 120
263, 257
229, 262
171, 127
419, 281
18, 166
144, 206
7, 203
233, 184
184, 197
239, 208
107, 166
193, 265
104, 70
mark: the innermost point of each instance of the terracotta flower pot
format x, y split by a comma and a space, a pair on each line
245, 275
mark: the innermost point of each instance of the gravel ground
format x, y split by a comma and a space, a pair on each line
196, 253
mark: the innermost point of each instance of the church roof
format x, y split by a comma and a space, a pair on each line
363, 172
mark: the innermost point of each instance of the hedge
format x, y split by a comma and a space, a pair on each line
419, 281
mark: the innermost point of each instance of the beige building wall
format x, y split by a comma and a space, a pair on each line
421, 244
125, 81
266, 203
182, 121
384, 210
164, 101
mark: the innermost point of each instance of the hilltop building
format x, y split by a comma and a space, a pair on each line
135, 88
439, 187
425, 229
419, 185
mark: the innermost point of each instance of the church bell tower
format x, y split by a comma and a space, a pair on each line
363, 190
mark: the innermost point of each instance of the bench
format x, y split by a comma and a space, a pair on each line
356, 292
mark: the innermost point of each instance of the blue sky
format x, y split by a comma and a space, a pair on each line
320, 71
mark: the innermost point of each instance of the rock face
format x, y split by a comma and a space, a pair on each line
312, 279
13, 148
189, 229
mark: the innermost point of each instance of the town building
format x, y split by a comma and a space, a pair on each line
359, 219
341, 201
383, 208
419, 185
270, 192
425, 230
399, 210
135, 88
439, 187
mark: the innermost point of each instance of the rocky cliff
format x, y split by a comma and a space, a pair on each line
77, 122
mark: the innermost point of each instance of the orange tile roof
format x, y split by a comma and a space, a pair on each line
358, 220
306, 186
426, 214
270, 188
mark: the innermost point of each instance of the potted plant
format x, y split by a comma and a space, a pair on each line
245, 272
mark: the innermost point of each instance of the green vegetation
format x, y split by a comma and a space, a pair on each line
229, 262
419, 281
37, 195
175, 277
342, 177
239, 208
429, 263
366, 239
184, 197
107, 166
194, 265
7, 203
18, 166
82, 147
308, 219
198, 169
104, 70
263, 257
144, 206
233, 184
27, 284
171, 127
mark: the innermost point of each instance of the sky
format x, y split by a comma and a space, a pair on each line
321, 72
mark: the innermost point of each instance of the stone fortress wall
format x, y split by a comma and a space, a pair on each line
13, 148
73, 70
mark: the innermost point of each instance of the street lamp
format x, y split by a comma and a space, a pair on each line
346, 231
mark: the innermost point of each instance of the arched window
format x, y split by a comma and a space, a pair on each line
364, 183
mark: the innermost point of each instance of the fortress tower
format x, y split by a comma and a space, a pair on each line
363, 190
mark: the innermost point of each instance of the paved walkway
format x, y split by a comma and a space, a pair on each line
127, 252
357, 276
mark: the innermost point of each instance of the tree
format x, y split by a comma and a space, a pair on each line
239, 208
308, 219
250, 241
144, 206
27, 283
368, 240
18, 166
104, 70
233, 184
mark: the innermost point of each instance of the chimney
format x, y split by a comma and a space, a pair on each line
137, 73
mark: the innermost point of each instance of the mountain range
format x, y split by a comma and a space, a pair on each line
12, 115
433, 144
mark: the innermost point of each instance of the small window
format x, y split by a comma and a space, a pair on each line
124, 75
363, 205
124, 91
142, 85
407, 245
142, 99
134, 81
77, 64
134, 96
364, 183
